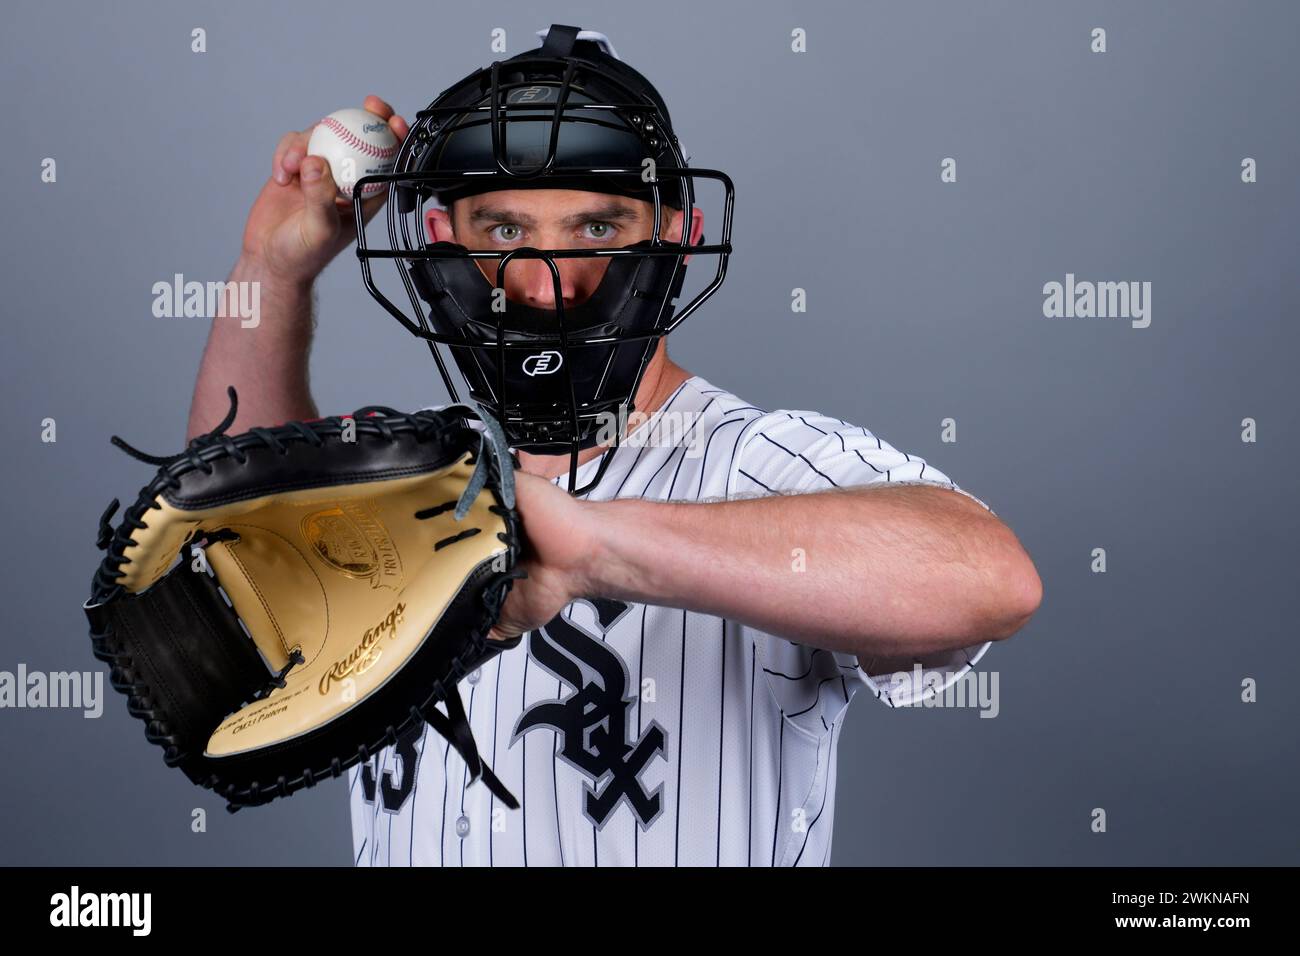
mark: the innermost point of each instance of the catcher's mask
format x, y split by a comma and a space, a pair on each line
568, 115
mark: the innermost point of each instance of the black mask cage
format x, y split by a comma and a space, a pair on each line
566, 116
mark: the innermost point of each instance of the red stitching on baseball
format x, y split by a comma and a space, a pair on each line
351, 139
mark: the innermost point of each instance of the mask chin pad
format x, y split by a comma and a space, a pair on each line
634, 298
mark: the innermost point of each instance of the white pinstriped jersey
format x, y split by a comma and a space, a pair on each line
650, 736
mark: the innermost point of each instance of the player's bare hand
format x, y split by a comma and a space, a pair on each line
559, 543
298, 224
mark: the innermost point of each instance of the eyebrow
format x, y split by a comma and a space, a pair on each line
612, 212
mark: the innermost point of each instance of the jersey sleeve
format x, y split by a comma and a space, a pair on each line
798, 452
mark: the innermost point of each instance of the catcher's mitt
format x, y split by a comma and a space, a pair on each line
336, 578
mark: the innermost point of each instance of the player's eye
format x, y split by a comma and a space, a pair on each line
506, 232
598, 230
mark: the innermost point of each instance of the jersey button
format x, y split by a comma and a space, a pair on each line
462, 826
474, 675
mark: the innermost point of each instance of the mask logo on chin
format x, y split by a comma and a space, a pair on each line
542, 363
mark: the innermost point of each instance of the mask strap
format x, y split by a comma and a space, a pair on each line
559, 40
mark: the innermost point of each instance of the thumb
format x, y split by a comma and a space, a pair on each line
505, 627
321, 217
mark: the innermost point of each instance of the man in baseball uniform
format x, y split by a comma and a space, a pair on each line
710, 583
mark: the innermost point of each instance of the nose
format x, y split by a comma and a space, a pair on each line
531, 281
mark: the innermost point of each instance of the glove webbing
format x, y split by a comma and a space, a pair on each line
182, 637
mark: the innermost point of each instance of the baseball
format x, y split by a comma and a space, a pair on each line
355, 143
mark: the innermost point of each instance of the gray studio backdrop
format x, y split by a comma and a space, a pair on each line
925, 303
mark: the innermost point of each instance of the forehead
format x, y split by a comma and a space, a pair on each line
545, 204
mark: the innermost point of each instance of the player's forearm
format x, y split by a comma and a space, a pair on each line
885, 571
264, 357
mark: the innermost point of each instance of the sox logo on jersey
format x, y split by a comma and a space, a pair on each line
592, 722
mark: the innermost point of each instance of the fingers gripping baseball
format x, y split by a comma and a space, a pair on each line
300, 221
